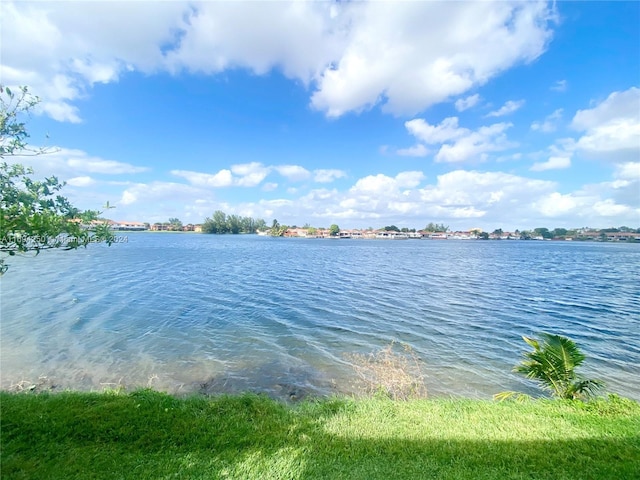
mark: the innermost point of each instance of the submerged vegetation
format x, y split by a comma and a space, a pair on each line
147, 434
393, 374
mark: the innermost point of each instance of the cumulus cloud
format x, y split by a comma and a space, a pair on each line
241, 175
161, 191
411, 55
253, 174
508, 108
295, 173
249, 174
418, 150
476, 145
463, 104
554, 163
461, 198
327, 175
459, 144
68, 163
628, 171
549, 124
300, 38
223, 178
559, 86
61, 51
81, 181
405, 56
433, 134
612, 128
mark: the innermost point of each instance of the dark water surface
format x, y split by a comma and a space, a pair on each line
188, 312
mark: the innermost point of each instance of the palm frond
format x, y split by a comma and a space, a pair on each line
552, 363
586, 388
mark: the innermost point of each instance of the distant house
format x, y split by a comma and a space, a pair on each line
129, 226
296, 232
391, 235
622, 236
470, 235
433, 235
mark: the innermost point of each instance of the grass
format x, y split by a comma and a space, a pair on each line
151, 435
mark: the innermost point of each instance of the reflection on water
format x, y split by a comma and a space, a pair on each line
200, 313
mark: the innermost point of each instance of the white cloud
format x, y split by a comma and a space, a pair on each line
559, 86
409, 179
410, 55
162, 192
375, 184
556, 204
223, 178
554, 163
299, 38
433, 134
463, 104
250, 174
68, 163
612, 128
406, 56
81, 181
108, 167
60, 51
550, 123
476, 145
323, 175
418, 150
241, 175
508, 108
295, 173
609, 208
461, 198
460, 144
269, 187
628, 171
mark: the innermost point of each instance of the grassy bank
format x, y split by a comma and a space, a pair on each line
147, 434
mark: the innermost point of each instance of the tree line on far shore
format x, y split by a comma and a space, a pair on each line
220, 222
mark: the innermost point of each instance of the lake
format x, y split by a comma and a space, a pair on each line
206, 313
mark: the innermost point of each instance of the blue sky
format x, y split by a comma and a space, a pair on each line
473, 114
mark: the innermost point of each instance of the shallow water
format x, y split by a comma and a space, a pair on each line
188, 312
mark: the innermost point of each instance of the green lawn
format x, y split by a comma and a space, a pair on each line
147, 434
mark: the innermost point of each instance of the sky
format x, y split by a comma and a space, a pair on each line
506, 114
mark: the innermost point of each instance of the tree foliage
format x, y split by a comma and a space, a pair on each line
334, 230
221, 223
33, 215
175, 224
436, 227
13, 131
552, 364
277, 230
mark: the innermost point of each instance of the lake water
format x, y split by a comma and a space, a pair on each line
189, 312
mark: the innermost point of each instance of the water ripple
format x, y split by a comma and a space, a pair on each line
200, 313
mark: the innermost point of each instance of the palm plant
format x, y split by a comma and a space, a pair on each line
553, 363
